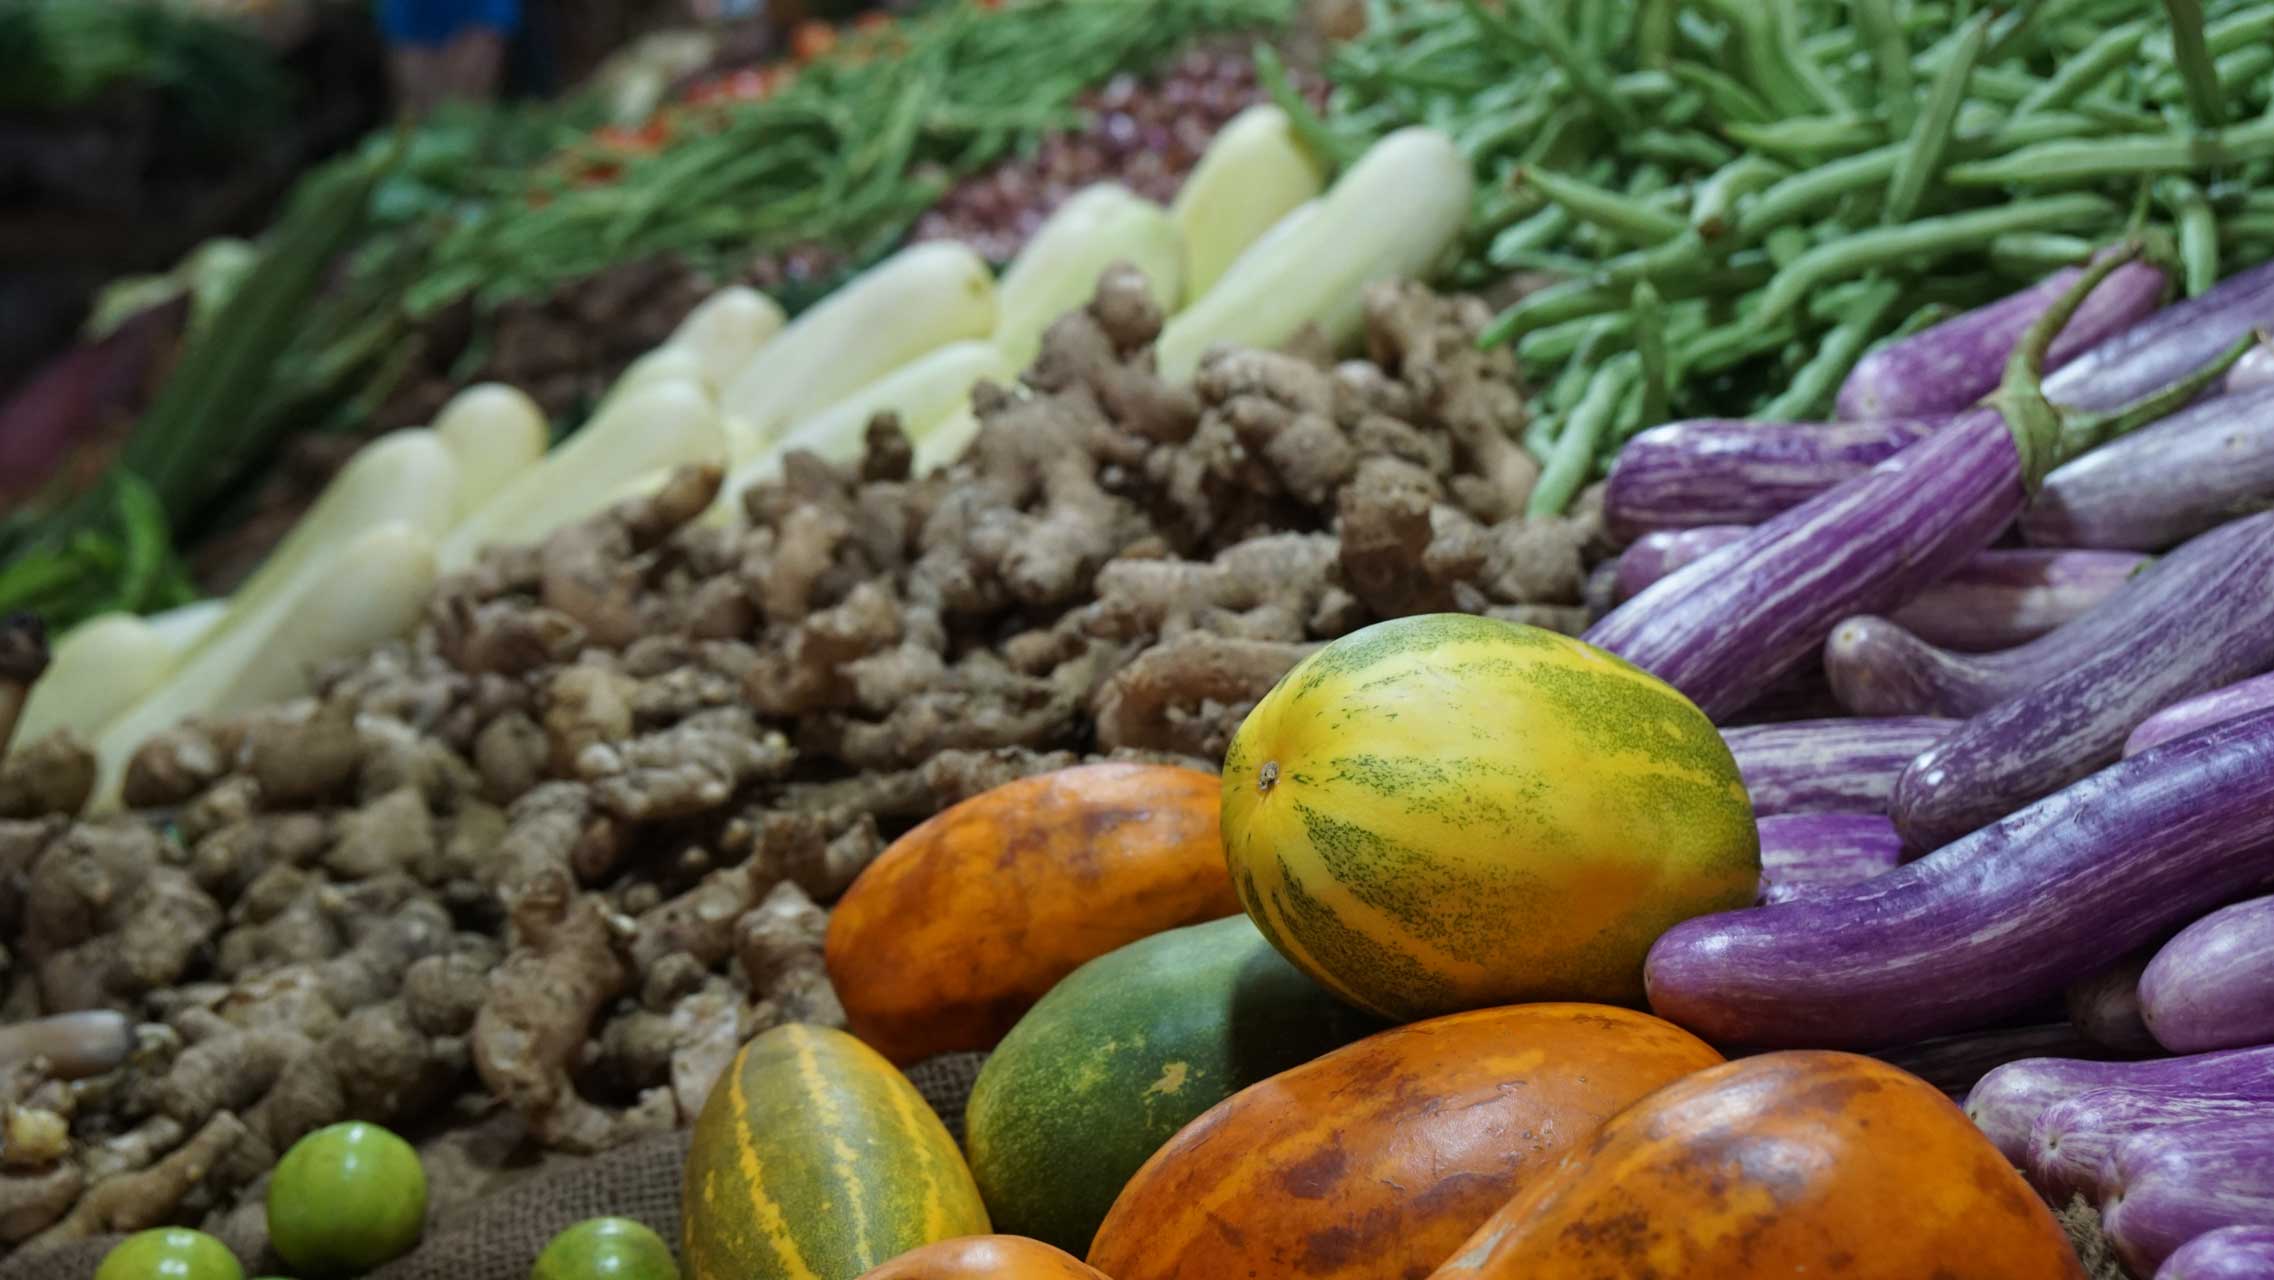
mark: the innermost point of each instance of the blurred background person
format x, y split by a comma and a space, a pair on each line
439, 50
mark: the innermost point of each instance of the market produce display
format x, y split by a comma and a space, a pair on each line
1132, 737
1729, 203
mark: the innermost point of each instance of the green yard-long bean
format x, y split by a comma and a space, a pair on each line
1825, 173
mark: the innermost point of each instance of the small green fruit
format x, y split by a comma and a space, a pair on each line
345, 1199
606, 1249
170, 1253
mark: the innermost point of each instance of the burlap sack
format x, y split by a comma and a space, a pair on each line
499, 1236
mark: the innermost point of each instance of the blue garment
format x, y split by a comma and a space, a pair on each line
437, 22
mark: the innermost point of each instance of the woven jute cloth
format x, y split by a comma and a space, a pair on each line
498, 1236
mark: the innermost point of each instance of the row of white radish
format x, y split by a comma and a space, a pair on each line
1251, 252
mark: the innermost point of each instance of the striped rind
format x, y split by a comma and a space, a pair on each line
815, 1159
1122, 1054
1467, 812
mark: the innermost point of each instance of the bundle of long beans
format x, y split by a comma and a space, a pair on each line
845, 154
1731, 200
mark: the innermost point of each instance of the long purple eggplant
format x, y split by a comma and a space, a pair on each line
2229, 1253
1803, 853
1994, 601
2201, 711
1828, 766
2007, 1101
1953, 364
2174, 1184
2212, 985
1706, 471
2255, 369
2001, 919
2217, 631
2104, 1007
1878, 667
2003, 598
2071, 1143
1955, 1064
2207, 463
1728, 626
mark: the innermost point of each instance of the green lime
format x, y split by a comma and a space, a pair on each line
606, 1249
170, 1253
345, 1199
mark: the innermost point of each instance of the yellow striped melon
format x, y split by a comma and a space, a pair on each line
815, 1159
1449, 812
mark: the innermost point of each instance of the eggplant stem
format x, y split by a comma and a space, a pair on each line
2090, 431
2037, 427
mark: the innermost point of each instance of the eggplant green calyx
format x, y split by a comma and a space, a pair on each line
2020, 398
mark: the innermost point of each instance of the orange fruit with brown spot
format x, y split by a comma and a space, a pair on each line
1806, 1163
966, 921
985, 1258
1377, 1160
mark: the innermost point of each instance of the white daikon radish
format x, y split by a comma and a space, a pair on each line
377, 594
725, 330
741, 438
1261, 251
663, 424
664, 364
924, 393
917, 300
494, 432
378, 585
1058, 269
945, 443
1253, 174
95, 671
185, 624
408, 476
1391, 215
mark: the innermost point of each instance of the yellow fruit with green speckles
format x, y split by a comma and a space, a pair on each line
1449, 812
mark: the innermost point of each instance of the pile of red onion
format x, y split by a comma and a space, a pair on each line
1145, 134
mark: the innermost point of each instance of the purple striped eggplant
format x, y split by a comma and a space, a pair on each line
2168, 345
1878, 668
2218, 630
2105, 1008
1828, 766
2174, 1184
2255, 369
1727, 627
1660, 552
1947, 367
1802, 853
1707, 471
2072, 1141
2009, 1099
1997, 600
2201, 711
2212, 985
1984, 928
2003, 598
2229, 1253
1955, 1064
2203, 465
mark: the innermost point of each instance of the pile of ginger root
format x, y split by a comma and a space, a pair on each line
544, 865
